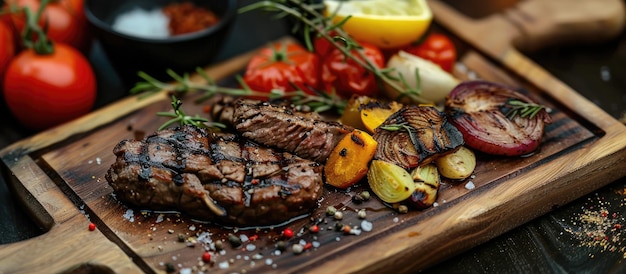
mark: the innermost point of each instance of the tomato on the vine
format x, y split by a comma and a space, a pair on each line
283, 66
346, 76
437, 48
44, 90
65, 20
7, 47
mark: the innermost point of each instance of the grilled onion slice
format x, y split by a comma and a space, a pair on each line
415, 135
496, 119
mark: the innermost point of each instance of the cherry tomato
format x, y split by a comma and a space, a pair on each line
46, 90
346, 76
437, 48
66, 21
322, 46
282, 65
7, 47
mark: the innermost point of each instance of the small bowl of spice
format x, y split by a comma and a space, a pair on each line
156, 35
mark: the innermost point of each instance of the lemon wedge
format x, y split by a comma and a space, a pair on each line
388, 24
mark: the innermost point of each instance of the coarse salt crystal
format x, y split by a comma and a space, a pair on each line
470, 185
244, 237
366, 225
143, 23
223, 265
129, 215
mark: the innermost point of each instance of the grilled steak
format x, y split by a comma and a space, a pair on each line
415, 135
217, 177
224, 108
307, 136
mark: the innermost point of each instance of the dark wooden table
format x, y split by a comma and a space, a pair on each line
584, 236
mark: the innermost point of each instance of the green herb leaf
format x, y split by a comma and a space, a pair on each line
515, 107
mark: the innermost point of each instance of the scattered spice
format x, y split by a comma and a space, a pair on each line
365, 195
331, 210
297, 248
596, 226
206, 257
234, 240
362, 214
281, 245
288, 233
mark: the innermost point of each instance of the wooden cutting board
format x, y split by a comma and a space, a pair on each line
59, 176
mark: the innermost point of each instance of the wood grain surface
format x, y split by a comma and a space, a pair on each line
59, 176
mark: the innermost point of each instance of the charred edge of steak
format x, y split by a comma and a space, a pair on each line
223, 109
308, 136
434, 136
215, 177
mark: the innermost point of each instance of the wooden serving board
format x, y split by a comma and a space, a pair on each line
59, 176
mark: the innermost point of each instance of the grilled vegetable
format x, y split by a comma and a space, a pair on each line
427, 181
375, 113
348, 162
458, 165
496, 119
415, 135
351, 115
432, 83
390, 182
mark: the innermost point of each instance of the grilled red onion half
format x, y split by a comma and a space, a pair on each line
496, 119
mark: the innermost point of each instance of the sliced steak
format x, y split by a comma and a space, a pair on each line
224, 107
415, 135
217, 177
307, 136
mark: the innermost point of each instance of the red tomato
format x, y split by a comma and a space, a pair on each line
323, 46
282, 65
346, 76
65, 19
7, 47
437, 48
46, 90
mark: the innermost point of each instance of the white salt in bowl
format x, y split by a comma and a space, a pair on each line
134, 36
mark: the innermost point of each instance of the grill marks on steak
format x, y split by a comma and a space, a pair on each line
432, 135
215, 177
307, 136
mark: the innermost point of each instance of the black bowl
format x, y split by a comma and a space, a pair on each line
183, 53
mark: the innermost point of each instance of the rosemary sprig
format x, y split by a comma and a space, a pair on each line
514, 107
403, 126
178, 116
318, 102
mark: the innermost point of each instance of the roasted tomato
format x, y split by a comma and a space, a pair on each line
7, 48
346, 76
436, 48
65, 20
283, 66
44, 90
